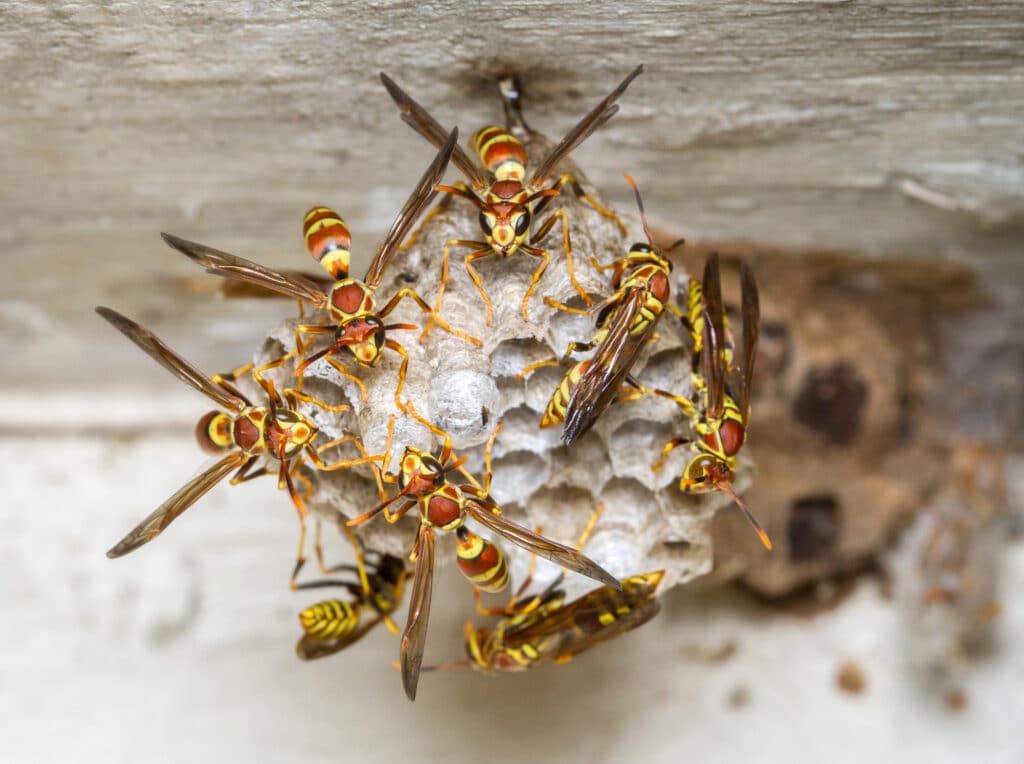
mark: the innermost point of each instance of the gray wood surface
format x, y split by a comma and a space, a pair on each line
886, 127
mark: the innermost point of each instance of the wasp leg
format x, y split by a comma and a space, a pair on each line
561, 215
401, 372
411, 293
293, 396
474, 245
340, 368
567, 179
674, 443
258, 373
300, 347
572, 347
545, 259
226, 381
467, 261
487, 459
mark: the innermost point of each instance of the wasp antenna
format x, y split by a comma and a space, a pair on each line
640, 206
758, 528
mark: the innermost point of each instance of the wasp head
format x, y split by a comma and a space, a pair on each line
363, 337
421, 473
505, 217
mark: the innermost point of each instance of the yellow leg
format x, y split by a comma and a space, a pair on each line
560, 215
436, 312
487, 459
527, 370
672, 444
545, 259
567, 179
300, 347
468, 263
434, 318
293, 396
401, 372
340, 368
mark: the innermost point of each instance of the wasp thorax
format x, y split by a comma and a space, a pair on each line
350, 298
213, 432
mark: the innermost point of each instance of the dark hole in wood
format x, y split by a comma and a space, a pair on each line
831, 401
813, 528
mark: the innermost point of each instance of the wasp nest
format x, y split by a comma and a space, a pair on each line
466, 390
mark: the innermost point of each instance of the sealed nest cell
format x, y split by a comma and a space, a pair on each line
466, 390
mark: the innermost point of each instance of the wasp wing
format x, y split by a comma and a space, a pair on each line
751, 313
238, 268
597, 117
155, 348
419, 120
612, 361
595, 617
410, 213
234, 289
485, 511
310, 648
713, 359
414, 638
182, 499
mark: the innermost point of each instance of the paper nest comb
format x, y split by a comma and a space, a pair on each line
647, 524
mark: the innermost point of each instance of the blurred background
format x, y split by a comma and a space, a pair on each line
865, 156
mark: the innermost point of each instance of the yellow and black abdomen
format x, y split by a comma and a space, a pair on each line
330, 619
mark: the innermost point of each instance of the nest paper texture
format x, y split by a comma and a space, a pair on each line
647, 523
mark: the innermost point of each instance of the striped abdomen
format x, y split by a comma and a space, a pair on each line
695, 318
481, 561
215, 432
501, 153
330, 619
328, 240
554, 414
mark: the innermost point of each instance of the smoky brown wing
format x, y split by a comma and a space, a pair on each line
486, 512
310, 648
410, 212
714, 335
751, 312
584, 622
575, 641
419, 120
597, 117
182, 499
612, 361
414, 638
233, 289
155, 348
238, 268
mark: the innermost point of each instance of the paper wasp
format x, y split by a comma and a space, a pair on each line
545, 627
445, 506
508, 201
332, 625
242, 434
625, 325
719, 420
355, 321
